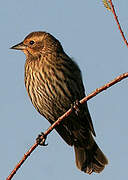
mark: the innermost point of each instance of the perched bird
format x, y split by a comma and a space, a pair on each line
53, 82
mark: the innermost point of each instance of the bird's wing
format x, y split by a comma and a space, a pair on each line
88, 119
81, 94
64, 133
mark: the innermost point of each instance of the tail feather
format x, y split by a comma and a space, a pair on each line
90, 160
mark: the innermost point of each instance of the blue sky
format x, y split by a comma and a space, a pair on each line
90, 36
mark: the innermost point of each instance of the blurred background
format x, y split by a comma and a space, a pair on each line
90, 36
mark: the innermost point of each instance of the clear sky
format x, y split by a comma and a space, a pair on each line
89, 35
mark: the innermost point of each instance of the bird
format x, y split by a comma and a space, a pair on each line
54, 82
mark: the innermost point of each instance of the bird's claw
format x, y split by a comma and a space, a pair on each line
41, 139
76, 106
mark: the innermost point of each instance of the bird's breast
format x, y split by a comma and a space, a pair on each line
48, 89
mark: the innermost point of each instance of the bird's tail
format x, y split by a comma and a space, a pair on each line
90, 159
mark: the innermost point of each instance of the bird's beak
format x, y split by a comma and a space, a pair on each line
19, 46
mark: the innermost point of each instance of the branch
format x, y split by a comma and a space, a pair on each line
82, 101
109, 5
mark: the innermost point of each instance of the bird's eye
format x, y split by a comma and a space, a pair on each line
31, 42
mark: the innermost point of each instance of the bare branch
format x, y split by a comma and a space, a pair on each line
94, 93
117, 21
107, 5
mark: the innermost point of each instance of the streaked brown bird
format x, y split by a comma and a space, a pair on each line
53, 82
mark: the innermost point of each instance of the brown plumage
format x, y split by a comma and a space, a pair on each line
53, 82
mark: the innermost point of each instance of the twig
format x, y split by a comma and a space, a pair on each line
107, 5
117, 21
94, 93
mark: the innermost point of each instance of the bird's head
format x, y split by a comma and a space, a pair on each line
38, 42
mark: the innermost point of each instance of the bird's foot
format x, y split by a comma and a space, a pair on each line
41, 139
76, 107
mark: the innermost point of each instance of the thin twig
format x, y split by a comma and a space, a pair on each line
117, 21
94, 93
107, 5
